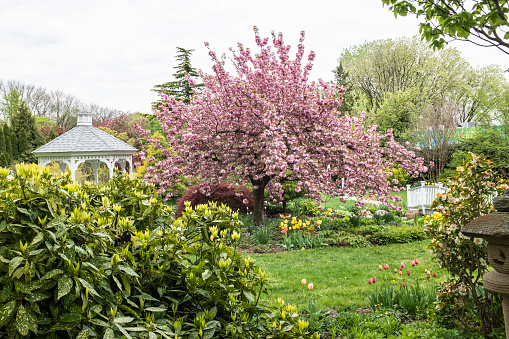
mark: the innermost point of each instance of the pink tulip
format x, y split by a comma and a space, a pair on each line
402, 265
434, 275
416, 262
369, 281
404, 285
413, 263
374, 280
395, 270
428, 276
379, 267
407, 272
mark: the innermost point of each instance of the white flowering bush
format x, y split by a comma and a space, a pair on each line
468, 197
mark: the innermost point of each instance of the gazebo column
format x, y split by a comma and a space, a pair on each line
73, 167
131, 167
95, 166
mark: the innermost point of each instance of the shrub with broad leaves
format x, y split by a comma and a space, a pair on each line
468, 197
84, 261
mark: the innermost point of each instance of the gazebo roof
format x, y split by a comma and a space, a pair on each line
85, 138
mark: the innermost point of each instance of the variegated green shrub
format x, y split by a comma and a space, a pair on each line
81, 261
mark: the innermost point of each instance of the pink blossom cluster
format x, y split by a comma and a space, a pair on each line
270, 122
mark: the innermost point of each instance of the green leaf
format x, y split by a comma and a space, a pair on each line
128, 270
23, 210
64, 286
14, 263
36, 252
90, 288
37, 239
124, 332
152, 335
22, 321
83, 334
36, 297
52, 274
19, 272
71, 317
123, 320
126, 282
6, 312
155, 309
249, 296
99, 322
135, 329
109, 334
119, 285
205, 275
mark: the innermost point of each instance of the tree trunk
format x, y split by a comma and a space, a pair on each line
258, 206
258, 193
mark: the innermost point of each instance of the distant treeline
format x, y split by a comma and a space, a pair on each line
57, 106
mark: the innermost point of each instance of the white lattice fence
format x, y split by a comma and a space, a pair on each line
422, 196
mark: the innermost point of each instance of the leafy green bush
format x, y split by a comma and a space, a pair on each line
74, 267
466, 199
388, 234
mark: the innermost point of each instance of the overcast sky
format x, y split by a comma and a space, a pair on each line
113, 52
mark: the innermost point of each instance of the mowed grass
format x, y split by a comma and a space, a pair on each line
340, 275
335, 203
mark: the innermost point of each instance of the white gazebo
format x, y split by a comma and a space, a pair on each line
85, 143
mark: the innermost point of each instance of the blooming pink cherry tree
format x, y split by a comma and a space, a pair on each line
270, 122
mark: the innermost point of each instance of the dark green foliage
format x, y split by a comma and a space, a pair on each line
52, 135
14, 146
7, 137
342, 78
387, 234
491, 142
23, 119
73, 264
4, 161
180, 88
2, 141
22, 142
232, 196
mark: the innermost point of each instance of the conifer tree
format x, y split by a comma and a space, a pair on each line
3, 160
22, 142
180, 88
2, 141
23, 119
14, 146
52, 135
7, 137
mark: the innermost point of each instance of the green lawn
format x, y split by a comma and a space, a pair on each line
340, 275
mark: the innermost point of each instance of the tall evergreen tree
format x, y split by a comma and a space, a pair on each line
2, 141
3, 160
23, 142
180, 88
14, 146
23, 119
7, 137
